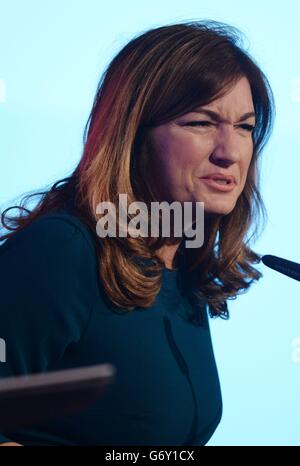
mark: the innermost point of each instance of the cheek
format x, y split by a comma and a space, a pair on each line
186, 153
249, 159
180, 158
179, 155
245, 168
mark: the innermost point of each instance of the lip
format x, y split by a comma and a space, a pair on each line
221, 176
220, 187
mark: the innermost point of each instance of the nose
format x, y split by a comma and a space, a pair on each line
226, 148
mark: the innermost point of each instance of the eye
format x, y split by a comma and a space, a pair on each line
249, 128
199, 123
245, 126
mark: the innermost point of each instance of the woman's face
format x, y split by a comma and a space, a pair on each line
198, 145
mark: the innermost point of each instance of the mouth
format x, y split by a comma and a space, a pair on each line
224, 185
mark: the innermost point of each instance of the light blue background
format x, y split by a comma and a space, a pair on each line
52, 56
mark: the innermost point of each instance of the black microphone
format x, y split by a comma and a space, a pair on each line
289, 268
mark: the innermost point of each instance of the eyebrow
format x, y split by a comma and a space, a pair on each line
217, 117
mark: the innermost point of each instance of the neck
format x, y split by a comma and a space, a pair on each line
168, 252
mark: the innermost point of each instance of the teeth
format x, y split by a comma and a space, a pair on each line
221, 181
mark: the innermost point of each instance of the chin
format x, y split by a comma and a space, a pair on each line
219, 210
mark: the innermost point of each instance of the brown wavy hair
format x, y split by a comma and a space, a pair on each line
157, 76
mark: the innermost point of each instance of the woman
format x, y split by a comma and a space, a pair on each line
178, 107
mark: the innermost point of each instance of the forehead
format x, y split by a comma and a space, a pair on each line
235, 104
239, 96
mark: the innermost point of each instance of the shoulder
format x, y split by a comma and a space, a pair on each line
52, 257
56, 248
57, 231
48, 288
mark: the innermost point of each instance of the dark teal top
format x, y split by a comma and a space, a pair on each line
54, 315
